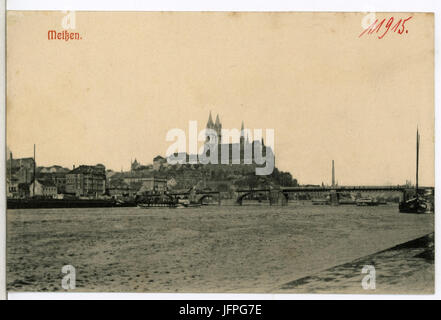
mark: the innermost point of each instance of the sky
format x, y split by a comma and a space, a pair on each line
327, 93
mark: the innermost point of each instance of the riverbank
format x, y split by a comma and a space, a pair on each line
408, 268
65, 203
253, 249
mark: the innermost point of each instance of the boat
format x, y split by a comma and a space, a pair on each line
366, 202
414, 205
417, 204
185, 203
157, 205
346, 201
318, 202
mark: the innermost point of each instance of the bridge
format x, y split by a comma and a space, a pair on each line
198, 196
193, 196
282, 193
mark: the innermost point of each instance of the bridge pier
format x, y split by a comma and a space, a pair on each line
333, 195
277, 197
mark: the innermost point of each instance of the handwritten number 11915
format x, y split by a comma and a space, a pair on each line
383, 29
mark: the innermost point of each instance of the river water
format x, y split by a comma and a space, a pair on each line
210, 249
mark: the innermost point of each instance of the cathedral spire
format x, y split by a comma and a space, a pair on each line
210, 121
218, 128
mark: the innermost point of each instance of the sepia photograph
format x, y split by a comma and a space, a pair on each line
220, 152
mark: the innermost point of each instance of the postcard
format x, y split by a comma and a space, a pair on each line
220, 152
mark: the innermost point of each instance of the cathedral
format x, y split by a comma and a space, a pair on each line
217, 127
234, 149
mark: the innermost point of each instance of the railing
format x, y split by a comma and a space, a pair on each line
336, 188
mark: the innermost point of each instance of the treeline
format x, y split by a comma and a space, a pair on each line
275, 179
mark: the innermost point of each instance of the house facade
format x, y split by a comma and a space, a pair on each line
158, 162
89, 181
20, 170
153, 185
44, 188
12, 190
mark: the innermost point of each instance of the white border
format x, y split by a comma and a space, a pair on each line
228, 5
225, 5
2, 152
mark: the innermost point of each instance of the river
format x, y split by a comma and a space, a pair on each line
209, 249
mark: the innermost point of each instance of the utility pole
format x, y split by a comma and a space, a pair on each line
10, 167
417, 160
333, 174
33, 186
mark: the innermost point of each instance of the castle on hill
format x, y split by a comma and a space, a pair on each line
243, 152
246, 154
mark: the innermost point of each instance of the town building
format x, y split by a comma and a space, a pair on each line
159, 162
136, 166
43, 188
12, 190
56, 174
120, 190
89, 181
136, 178
153, 185
19, 175
52, 169
59, 179
21, 170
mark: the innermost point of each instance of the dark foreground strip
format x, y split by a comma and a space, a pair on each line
414, 254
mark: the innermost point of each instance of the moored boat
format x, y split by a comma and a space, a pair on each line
185, 203
366, 202
157, 205
417, 204
414, 205
320, 202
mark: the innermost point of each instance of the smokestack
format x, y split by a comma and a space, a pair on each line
35, 165
10, 167
333, 174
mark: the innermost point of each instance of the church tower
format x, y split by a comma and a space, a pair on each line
242, 134
218, 128
210, 125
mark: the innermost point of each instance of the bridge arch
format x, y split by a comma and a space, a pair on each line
271, 197
204, 196
241, 197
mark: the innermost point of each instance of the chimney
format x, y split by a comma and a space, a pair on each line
333, 174
73, 166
